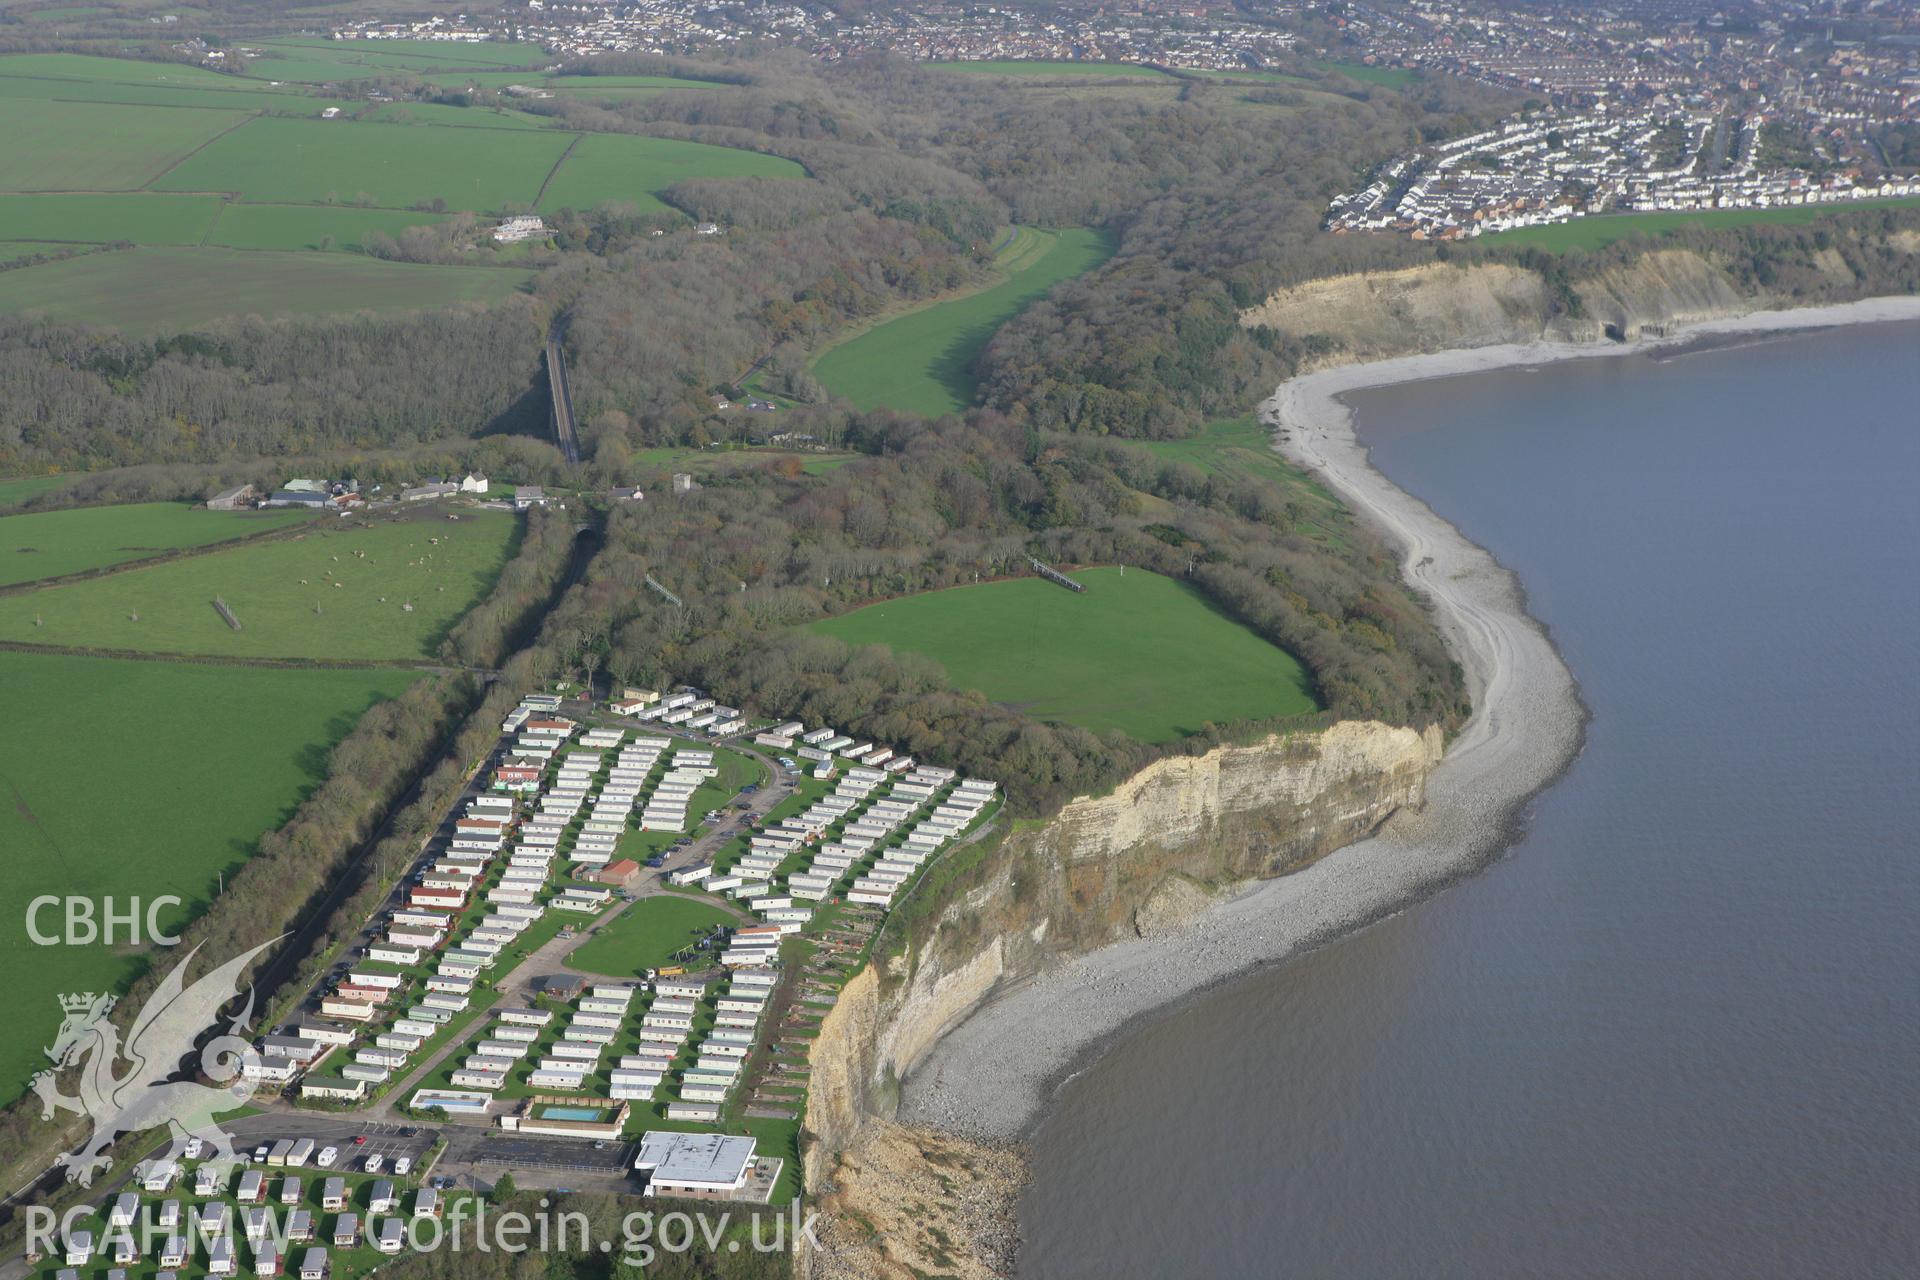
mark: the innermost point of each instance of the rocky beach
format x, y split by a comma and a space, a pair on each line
991, 1075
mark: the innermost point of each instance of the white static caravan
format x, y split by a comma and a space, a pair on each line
655, 1058
418, 919
871, 897
565, 1080
525, 1017
571, 1053
598, 1021
485, 1081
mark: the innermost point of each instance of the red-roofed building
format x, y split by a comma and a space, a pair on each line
619, 872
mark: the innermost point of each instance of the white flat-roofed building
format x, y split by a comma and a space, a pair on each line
706, 1165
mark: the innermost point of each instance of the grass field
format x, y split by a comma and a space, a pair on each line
143, 778
243, 96
318, 61
167, 290
646, 935
173, 157
284, 594
1137, 652
48, 544
1599, 231
301, 226
99, 146
923, 362
1386, 77
87, 68
606, 167
270, 159
1038, 67
1235, 447
96, 219
19, 488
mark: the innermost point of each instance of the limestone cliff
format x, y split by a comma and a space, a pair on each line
1140, 859
1379, 315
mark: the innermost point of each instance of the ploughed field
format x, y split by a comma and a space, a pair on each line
923, 361
1138, 652
387, 589
191, 165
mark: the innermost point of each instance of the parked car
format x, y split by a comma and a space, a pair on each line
655, 861
359, 1139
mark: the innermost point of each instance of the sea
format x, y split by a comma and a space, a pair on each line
1675, 1031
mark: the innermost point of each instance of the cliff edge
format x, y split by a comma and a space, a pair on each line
1146, 859
1446, 306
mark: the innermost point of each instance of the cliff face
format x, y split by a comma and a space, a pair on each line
1379, 315
1141, 859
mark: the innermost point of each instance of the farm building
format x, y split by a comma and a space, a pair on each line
235, 499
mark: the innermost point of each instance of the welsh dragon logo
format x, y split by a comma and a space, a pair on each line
146, 1096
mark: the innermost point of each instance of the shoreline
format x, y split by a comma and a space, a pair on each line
991, 1076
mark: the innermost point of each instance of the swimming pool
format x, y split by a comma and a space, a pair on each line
570, 1113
